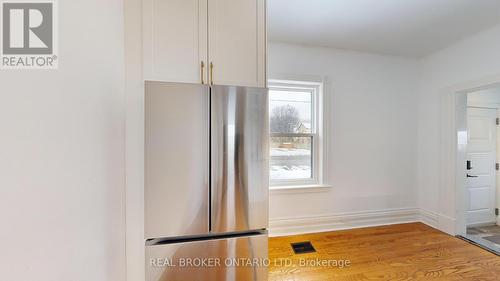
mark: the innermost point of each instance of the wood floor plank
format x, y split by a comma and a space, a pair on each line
411, 251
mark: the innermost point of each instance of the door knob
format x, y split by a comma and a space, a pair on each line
469, 176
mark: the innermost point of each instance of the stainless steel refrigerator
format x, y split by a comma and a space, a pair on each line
206, 182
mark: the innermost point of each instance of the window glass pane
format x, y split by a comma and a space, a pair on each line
291, 158
290, 111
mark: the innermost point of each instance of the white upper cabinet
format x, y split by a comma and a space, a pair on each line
237, 42
175, 40
195, 41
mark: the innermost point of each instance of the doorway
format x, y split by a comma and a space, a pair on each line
482, 181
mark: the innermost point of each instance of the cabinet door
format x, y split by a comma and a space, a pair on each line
175, 40
237, 42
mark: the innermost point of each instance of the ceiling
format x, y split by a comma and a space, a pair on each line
412, 28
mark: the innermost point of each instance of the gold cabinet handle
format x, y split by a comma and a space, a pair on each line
211, 73
202, 72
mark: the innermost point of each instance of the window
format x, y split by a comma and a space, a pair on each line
296, 125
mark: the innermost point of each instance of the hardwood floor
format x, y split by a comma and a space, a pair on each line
398, 252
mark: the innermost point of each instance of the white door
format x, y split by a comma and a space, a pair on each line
237, 42
175, 40
481, 152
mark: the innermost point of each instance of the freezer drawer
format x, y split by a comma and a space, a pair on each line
239, 158
231, 259
176, 182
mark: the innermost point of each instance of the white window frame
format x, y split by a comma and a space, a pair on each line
317, 132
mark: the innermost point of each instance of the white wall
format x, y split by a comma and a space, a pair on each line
62, 155
372, 137
473, 59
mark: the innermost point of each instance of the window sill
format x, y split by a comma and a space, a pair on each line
295, 189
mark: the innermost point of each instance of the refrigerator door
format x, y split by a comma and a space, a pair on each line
240, 258
176, 160
239, 159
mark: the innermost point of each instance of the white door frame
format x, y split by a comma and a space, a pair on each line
452, 193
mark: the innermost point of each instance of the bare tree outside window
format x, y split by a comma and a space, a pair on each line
284, 119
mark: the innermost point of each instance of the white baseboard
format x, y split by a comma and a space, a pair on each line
291, 226
429, 218
312, 224
438, 221
447, 224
